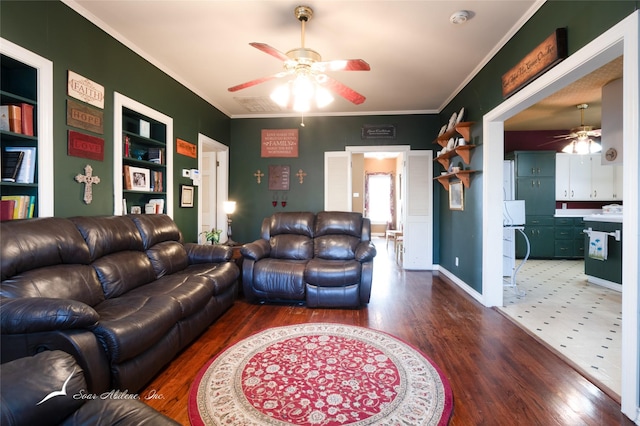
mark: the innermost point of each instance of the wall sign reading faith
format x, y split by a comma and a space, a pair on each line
84, 89
544, 57
279, 143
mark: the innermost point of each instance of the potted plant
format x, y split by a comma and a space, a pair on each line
213, 236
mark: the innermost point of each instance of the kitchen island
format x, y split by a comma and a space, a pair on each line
603, 250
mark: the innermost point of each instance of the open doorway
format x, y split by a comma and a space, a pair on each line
622, 39
213, 191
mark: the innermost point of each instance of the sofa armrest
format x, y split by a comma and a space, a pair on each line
256, 250
200, 253
36, 314
365, 252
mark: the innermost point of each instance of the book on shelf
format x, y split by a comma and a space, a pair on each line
24, 205
127, 177
156, 181
10, 118
158, 204
27, 171
27, 119
11, 162
6, 209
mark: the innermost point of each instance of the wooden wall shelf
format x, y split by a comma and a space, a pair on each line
463, 175
463, 151
463, 129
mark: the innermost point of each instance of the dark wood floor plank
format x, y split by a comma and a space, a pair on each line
499, 374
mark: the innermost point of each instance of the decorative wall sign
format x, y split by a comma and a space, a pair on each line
544, 57
85, 90
279, 143
279, 178
85, 117
258, 174
186, 195
301, 174
378, 131
85, 146
185, 148
88, 179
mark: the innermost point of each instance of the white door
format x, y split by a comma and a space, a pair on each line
213, 191
418, 216
337, 181
417, 205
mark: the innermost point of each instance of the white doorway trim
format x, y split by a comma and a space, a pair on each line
622, 39
205, 143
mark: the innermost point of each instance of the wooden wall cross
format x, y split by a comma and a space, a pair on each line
301, 175
88, 179
258, 174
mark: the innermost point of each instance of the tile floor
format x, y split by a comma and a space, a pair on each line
579, 320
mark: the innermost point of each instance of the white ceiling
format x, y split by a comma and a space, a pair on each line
419, 60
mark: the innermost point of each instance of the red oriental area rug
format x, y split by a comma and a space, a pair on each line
320, 374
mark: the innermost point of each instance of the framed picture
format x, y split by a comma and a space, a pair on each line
139, 178
456, 196
186, 196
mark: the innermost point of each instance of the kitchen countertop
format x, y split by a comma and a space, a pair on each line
576, 212
617, 218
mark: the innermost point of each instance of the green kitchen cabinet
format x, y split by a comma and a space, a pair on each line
540, 232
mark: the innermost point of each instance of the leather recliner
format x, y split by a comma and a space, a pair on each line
50, 389
323, 260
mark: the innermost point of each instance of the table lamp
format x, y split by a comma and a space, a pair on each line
229, 209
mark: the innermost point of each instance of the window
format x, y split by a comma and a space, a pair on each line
379, 197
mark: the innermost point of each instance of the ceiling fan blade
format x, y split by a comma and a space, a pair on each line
340, 89
342, 65
270, 51
256, 81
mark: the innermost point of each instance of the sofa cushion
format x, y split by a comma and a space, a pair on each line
123, 271
290, 246
332, 273
108, 234
220, 277
279, 278
156, 228
167, 258
76, 282
190, 292
36, 243
129, 325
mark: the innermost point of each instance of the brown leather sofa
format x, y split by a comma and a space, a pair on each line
323, 260
26, 391
122, 294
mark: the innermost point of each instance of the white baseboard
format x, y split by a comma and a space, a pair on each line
457, 281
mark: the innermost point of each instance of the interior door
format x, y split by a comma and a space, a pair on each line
337, 181
209, 193
418, 216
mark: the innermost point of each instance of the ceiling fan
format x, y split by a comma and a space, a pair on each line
581, 142
582, 131
306, 63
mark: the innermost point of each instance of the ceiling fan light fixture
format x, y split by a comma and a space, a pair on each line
300, 93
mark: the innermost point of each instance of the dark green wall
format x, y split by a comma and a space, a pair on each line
320, 134
54, 31
461, 232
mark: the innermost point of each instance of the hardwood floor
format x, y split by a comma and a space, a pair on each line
498, 373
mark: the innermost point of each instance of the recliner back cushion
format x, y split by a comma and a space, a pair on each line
167, 258
108, 234
289, 246
156, 228
341, 223
297, 223
36, 243
336, 247
123, 271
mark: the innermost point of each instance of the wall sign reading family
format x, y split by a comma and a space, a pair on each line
279, 143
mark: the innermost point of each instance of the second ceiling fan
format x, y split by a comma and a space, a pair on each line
306, 65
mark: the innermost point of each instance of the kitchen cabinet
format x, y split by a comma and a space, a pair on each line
584, 178
540, 231
607, 271
569, 238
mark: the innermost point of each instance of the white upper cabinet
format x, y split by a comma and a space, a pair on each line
584, 178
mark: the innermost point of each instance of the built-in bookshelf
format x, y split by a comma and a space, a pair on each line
143, 158
26, 132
